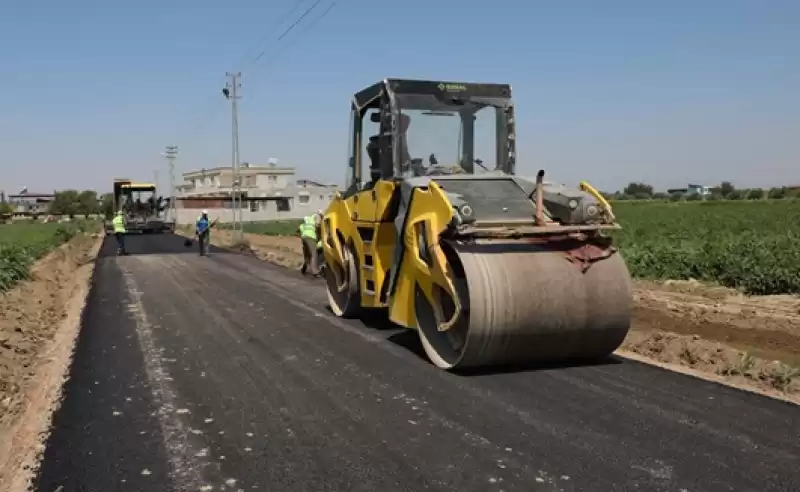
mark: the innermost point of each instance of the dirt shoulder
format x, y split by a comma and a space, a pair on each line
39, 322
707, 331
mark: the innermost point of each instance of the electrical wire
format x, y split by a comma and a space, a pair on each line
308, 28
211, 108
213, 105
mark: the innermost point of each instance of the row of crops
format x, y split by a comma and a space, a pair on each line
21, 244
753, 246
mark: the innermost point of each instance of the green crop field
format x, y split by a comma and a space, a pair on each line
21, 244
753, 246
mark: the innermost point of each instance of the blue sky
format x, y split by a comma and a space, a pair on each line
613, 91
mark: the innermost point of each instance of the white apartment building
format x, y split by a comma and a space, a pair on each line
269, 193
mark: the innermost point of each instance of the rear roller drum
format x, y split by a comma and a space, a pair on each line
523, 305
342, 285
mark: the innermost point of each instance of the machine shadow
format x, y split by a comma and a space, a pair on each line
155, 244
409, 340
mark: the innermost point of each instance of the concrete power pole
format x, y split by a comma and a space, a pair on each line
231, 92
171, 153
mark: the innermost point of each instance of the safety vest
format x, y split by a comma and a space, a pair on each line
309, 228
119, 223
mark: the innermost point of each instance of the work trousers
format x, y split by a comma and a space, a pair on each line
310, 256
202, 242
120, 241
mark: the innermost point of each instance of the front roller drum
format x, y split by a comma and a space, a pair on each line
525, 305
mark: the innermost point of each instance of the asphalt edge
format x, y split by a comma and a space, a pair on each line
711, 378
20, 465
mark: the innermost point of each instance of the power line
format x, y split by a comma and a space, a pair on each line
308, 28
271, 31
212, 106
255, 60
288, 30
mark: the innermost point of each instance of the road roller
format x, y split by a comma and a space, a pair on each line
489, 267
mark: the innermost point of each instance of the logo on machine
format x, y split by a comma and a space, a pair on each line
452, 87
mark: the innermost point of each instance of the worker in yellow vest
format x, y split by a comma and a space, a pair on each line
309, 236
119, 231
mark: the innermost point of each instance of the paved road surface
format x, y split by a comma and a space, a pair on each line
225, 373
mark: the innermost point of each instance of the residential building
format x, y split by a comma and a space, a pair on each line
692, 189
30, 203
268, 193
696, 189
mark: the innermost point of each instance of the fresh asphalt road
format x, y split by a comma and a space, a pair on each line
226, 373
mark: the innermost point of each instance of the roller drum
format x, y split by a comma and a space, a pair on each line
525, 305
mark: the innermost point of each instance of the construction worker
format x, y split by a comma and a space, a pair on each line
309, 235
202, 227
119, 231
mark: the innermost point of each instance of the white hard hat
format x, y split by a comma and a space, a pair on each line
205, 212
320, 212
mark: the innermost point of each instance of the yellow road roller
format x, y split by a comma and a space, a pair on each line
489, 267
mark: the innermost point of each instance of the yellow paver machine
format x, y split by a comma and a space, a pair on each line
490, 268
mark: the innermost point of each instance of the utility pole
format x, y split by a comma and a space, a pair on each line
231, 92
171, 153
155, 193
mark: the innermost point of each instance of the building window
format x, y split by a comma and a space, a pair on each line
283, 205
253, 206
272, 178
303, 199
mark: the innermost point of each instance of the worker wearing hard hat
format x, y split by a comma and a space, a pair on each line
118, 222
309, 236
202, 227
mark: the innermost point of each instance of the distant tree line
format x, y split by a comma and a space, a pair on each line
72, 203
86, 202
724, 191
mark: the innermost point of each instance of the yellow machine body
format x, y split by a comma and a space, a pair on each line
356, 226
489, 268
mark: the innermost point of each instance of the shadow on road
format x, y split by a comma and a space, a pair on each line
154, 244
409, 340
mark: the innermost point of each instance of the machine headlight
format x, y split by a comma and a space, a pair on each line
591, 210
573, 204
466, 211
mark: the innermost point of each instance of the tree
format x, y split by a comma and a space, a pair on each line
6, 208
65, 203
754, 194
726, 188
736, 195
87, 202
107, 205
638, 190
777, 193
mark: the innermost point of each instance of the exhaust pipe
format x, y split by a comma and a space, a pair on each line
539, 199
